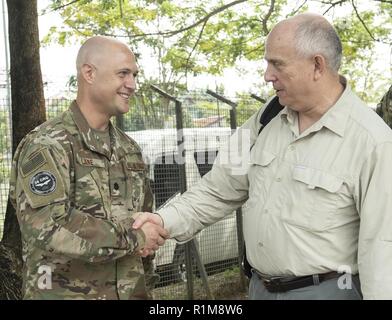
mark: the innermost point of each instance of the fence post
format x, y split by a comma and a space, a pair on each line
240, 235
258, 98
182, 174
190, 246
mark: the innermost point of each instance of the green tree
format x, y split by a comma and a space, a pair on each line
28, 111
191, 37
182, 37
360, 32
384, 107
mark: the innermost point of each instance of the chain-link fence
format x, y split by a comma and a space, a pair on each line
5, 157
152, 122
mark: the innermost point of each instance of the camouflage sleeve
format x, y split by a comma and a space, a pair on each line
148, 263
49, 221
151, 277
148, 197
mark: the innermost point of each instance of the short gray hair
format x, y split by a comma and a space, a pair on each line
319, 37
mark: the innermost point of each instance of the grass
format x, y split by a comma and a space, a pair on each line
224, 286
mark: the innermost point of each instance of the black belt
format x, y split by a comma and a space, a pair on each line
283, 284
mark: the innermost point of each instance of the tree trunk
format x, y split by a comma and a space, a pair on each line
28, 111
384, 108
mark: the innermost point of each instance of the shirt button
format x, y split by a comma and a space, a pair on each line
291, 148
260, 244
266, 210
278, 179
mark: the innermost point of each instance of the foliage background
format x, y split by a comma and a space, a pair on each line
188, 38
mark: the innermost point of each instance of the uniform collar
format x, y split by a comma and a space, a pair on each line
90, 138
335, 119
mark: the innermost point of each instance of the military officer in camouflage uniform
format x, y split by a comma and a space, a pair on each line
76, 184
384, 108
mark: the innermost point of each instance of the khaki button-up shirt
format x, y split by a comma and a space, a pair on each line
314, 202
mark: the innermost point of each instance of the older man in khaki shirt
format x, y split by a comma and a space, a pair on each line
316, 190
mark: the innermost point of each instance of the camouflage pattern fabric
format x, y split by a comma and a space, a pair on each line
75, 197
384, 108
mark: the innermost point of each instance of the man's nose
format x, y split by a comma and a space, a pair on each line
130, 83
269, 75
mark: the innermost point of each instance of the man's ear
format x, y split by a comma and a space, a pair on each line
320, 65
88, 72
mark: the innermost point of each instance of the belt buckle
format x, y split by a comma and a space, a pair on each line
272, 282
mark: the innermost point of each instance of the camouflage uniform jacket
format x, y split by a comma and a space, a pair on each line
74, 197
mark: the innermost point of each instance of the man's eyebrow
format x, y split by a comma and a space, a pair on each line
273, 60
128, 70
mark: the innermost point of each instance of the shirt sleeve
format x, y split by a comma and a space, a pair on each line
48, 219
219, 192
375, 235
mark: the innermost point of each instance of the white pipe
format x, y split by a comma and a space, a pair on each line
7, 68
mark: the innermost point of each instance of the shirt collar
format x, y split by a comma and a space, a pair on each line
335, 119
90, 138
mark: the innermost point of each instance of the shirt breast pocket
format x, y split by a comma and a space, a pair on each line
317, 198
259, 174
91, 189
136, 177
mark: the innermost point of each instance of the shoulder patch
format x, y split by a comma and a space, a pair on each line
34, 163
42, 183
45, 182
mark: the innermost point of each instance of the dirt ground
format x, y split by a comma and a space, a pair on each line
223, 286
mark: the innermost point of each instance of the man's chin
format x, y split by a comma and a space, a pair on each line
282, 101
122, 109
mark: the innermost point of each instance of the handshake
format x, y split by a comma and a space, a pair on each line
152, 226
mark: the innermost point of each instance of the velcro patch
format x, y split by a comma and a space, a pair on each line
34, 163
90, 161
136, 166
42, 183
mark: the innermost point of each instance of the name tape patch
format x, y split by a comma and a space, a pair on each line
43, 183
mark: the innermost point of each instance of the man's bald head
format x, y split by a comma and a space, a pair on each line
97, 50
311, 34
107, 73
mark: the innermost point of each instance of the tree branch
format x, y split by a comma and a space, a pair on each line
60, 7
254, 49
221, 47
78, 31
193, 49
384, 1
299, 8
174, 32
208, 16
267, 16
362, 22
121, 9
333, 4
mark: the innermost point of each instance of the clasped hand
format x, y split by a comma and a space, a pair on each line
152, 226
